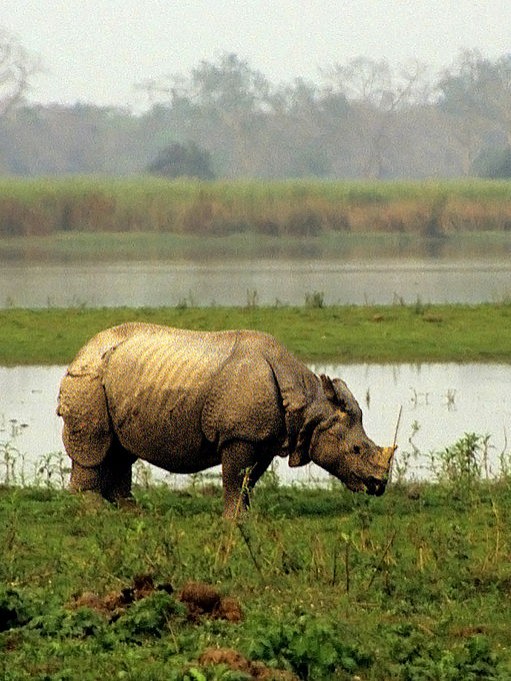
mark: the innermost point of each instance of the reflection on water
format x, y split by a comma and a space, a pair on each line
443, 400
167, 270
341, 246
266, 282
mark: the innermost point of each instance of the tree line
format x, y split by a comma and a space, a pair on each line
365, 119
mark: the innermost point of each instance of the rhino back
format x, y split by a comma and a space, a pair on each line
169, 391
156, 383
89, 359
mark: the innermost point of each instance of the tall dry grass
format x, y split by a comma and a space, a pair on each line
301, 209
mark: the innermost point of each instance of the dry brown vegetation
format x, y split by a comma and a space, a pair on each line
288, 209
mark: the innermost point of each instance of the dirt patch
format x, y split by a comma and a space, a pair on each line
115, 603
237, 662
202, 599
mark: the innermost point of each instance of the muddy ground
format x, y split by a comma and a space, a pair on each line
202, 601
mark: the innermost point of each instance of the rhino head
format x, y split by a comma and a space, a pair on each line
333, 437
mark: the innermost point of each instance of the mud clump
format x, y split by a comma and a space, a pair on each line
115, 603
202, 599
237, 662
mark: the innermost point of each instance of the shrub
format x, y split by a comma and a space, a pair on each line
148, 617
461, 465
182, 160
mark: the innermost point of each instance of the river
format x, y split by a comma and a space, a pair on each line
264, 282
440, 403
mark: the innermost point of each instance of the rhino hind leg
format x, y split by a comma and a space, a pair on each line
87, 454
84, 479
111, 478
99, 462
115, 473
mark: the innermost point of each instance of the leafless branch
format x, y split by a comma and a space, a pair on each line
16, 67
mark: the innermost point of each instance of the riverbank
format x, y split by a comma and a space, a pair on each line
411, 585
316, 333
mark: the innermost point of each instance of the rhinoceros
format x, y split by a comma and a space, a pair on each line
188, 400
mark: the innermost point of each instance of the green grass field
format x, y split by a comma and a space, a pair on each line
323, 584
397, 333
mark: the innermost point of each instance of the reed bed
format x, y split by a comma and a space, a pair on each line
38, 207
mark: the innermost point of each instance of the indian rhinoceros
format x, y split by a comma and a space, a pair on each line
188, 400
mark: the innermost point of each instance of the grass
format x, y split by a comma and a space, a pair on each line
397, 333
31, 207
413, 585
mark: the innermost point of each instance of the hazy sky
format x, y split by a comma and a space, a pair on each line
95, 50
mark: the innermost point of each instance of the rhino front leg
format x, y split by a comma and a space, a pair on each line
243, 463
85, 479
238, 457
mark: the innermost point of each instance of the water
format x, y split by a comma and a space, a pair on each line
265, 282
444, 400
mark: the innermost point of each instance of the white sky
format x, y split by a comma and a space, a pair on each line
95, 50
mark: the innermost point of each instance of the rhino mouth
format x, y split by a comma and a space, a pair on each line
375, 487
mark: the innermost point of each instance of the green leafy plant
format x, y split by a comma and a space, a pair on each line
311, 647
420, 657
148, 617
15, 609
462, 464
316, 299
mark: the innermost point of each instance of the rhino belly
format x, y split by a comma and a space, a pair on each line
171, 440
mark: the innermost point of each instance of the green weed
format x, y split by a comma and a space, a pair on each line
463, 464
312, 647
316, 299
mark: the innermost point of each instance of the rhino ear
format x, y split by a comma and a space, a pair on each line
337, 392
328, 388
301, 455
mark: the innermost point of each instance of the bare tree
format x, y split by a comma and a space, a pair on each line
16, 67
377, 93
475, 93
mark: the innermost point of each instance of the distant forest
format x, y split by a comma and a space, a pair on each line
366, 119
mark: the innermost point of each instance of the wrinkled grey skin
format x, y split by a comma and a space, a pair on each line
186, 401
